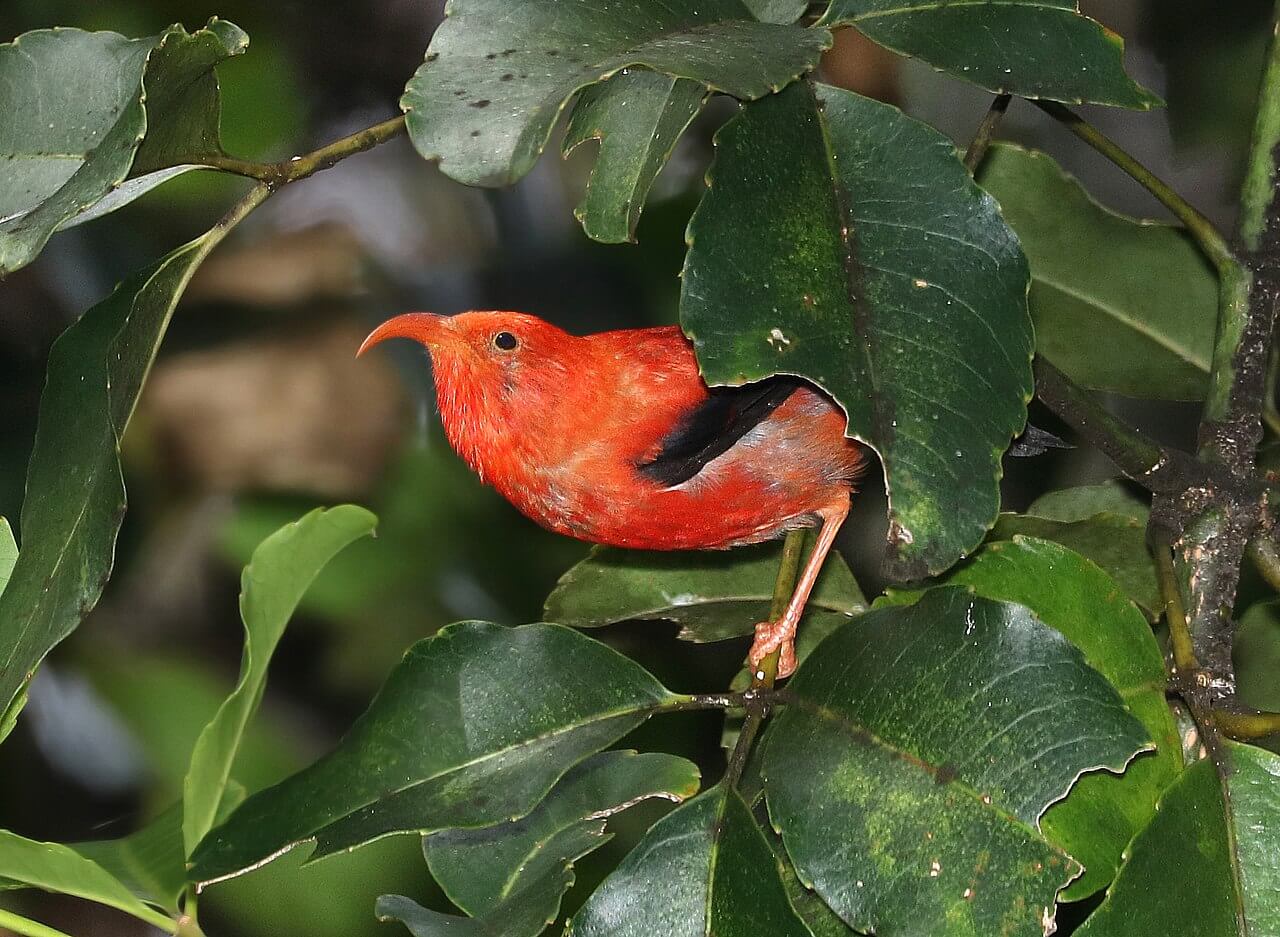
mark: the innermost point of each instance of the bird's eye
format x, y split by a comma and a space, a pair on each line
505, 341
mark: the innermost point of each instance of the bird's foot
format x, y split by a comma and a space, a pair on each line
773, 636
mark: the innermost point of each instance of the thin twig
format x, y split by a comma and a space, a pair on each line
25, 927
1175, 613
982, 138
1264, 553
300, 167
763, 679
1246, 724
1201, 228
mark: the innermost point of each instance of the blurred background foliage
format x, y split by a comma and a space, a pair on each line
256, 411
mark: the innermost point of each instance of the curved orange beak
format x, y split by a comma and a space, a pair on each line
426, 328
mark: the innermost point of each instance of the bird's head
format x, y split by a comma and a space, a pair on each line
490, 367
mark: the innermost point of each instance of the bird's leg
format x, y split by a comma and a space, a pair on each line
772, 635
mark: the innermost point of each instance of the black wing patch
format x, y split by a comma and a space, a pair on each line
711, 428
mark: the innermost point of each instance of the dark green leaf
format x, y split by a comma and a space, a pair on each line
81, 103
8, 553
704, 868
498, 72
637, 115
1182, 876
480, 869
152, 863
75, 495
1257, 656
445, 745
525, 914
1031, 48
777, 11
1083, 502
885, 276
57, 868
1142, 291
818, 918
918, 750
713, 594
1067, 592
282, 568
1116, 542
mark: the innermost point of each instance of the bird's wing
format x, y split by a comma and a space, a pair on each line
712, 426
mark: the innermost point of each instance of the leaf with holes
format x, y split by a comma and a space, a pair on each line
713, 595
1069, 593
75, 494
1206, 866
918, 750
704, 868
89, 110
1031, 48
443, 746
498, 72
886, 277
1141, 290
637, 115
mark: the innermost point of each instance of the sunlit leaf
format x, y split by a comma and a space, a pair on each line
1206, 866
75, 495
713, 594
1069, 593
81, 105
1142, 291
273, 583
1031, 48
920, 746
704, 868
442, 745
498, 72
637, 115
885, 276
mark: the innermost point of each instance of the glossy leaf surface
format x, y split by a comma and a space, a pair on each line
917, 753
885, 276
444, 745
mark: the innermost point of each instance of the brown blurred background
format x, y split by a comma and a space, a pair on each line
257, 411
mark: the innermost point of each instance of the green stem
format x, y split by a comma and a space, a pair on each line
26, 927
1246, 724
1264, 553
1140, 458
1259, 185
763, 679
300, 167
1175, 613
1201, 228
982, 138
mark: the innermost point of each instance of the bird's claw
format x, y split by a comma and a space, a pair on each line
773, 636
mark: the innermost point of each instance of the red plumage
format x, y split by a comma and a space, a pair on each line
578, 432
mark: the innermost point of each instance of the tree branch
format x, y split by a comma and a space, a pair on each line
300, 167
982, 138
763, 679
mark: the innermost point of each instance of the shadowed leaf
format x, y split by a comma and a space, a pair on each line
887, 277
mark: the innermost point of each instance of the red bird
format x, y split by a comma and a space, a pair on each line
614, 438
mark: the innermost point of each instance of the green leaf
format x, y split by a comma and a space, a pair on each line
918, 750
637, 115
444, 745
818, 918
777, 11
273, 583
1031, 48
713, 595
479, 869
1256, 649
1182, 875
704, 868
75, 494
1069, 593
57, 868
152, 863
886, 277
525, 914
1141, 290
498, 72
81, 104
1085, 501
1116, 542
8, 553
